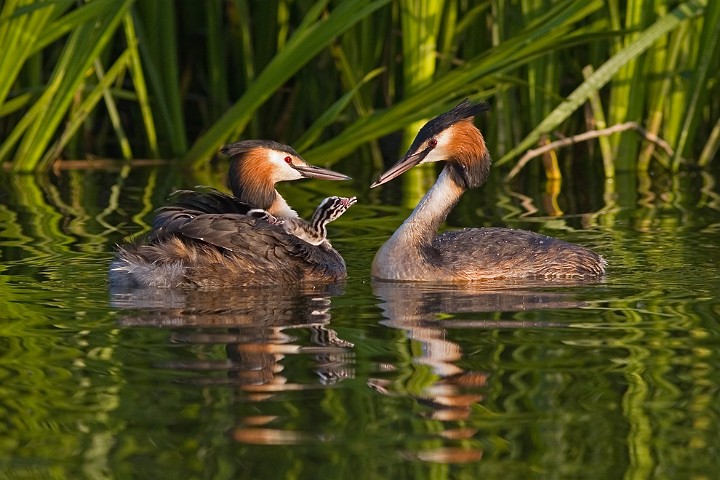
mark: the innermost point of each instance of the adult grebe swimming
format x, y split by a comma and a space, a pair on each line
415, 253
211, 239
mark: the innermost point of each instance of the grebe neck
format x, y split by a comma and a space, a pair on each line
422, 224
259, 193
280, 208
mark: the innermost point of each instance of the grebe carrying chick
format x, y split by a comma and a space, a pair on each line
416, 253
207, 238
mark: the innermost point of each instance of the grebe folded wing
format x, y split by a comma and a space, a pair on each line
206, 200
477, 253
265, 248
188, 204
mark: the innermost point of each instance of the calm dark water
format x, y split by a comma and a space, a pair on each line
617, 379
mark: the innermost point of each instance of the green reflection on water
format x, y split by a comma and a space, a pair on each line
366, 380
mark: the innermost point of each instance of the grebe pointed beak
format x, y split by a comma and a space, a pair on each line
405, 164
311, 171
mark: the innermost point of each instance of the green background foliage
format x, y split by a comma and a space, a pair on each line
178, 79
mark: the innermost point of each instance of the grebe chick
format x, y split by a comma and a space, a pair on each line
315, 232
206, 238
416, 253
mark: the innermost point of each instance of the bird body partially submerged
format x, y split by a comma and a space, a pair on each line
222, 250
416, 253
476, 254
210, 239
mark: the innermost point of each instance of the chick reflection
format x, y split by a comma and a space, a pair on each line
260, 328
453, 392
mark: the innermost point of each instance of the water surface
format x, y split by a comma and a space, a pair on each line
366, 379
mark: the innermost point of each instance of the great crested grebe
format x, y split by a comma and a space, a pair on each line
208, 238
415, 253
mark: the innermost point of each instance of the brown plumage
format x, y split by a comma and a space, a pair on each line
416, 253
206, 238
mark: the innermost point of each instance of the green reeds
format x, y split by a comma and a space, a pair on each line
484, 72
155, 24
707, 60
605, 73
32, 135
313, 34
120, 78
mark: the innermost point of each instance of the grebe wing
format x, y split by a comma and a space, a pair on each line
505, 252
188, 204
263, 253
227, 231
254, 239
205, 200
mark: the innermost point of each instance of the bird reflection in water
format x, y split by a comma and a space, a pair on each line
453, 393
259, 328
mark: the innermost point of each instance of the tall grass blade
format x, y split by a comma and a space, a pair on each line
625, 104
22, 25
158, 48
67, 22
709, 50
710, 149
218, 95
113, 114
503, 99
88, 104
331, 114
140, 85
349, 78
16, 103
420, 21
598, 116
667, 63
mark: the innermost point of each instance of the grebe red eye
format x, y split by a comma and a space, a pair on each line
288, 160
432, 143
